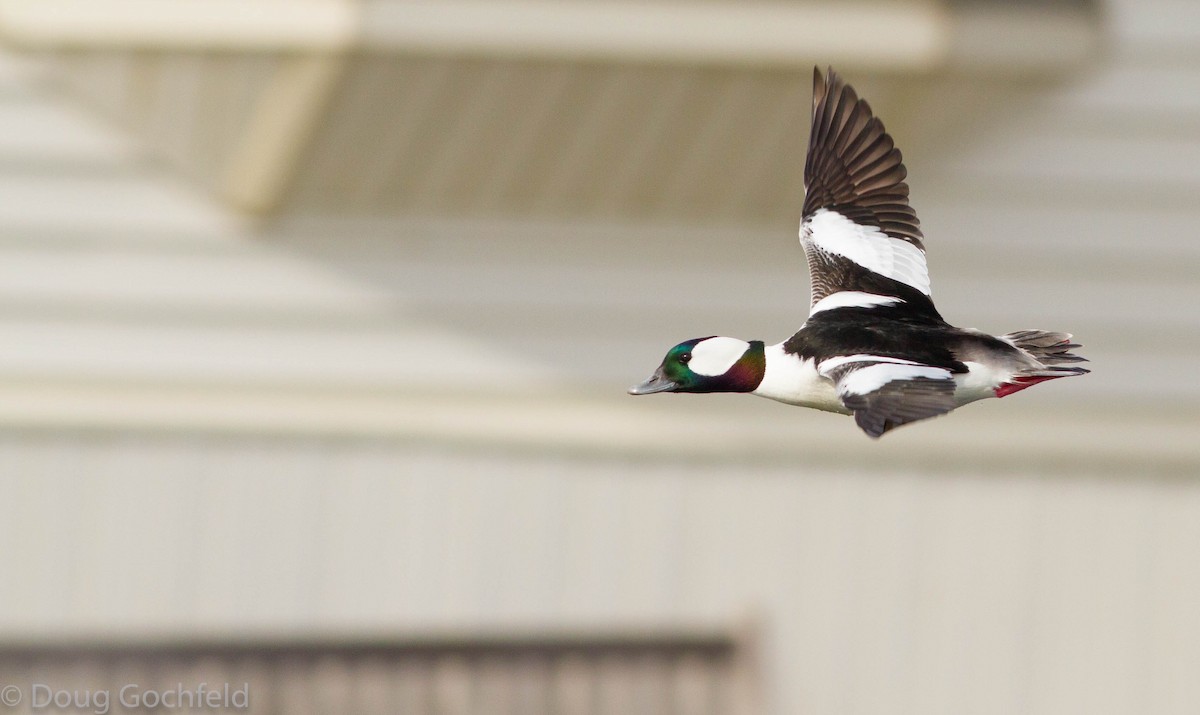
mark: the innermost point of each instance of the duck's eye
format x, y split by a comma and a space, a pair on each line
685, 358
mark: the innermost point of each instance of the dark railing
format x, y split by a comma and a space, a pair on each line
635, 674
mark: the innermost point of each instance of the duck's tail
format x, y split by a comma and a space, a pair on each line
1051, 351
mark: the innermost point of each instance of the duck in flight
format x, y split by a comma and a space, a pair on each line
873, 346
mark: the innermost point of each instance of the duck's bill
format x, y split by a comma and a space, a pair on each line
656, 383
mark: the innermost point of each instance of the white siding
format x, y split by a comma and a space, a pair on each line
936, 593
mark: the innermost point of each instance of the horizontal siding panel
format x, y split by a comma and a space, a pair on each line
136, 201
1121, 161
134, 354
1032, 593
1155, 27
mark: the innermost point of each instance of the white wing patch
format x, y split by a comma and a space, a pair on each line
828, 365
852, 299
883, 370
868, 379
715, 356
868, 247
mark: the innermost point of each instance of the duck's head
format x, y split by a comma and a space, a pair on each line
713, 364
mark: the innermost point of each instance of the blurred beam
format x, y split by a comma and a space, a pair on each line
180, 24
873, 34
313, 38
910, 34
863, 32
280, 127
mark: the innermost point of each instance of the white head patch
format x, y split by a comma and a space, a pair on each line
715, 356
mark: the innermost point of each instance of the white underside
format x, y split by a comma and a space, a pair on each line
979, 382
794, 381
797, 382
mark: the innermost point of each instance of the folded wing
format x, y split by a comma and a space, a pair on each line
884, 392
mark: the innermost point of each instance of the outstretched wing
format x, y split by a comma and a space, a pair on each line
861, 237
884, 393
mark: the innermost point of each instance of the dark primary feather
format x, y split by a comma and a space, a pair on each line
853, 166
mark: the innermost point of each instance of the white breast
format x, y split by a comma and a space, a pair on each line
796, 382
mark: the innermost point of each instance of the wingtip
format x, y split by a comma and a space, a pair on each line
853, 161
818, 91
829, 79
870, 424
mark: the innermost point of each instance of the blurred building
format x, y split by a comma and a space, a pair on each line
318, 317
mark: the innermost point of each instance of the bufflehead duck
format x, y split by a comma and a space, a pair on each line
873, 345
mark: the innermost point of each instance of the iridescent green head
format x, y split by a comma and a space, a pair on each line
713, 364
